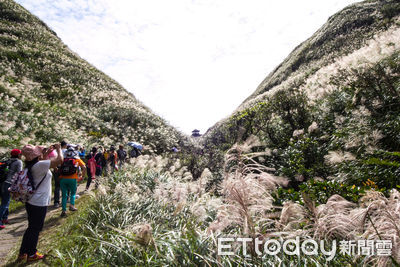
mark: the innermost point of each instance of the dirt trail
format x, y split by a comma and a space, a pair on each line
12, 234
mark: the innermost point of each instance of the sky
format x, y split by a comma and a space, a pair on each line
192, 62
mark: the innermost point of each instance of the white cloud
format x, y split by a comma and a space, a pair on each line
191, 61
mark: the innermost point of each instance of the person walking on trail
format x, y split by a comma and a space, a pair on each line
101, 164
14, 166
112, 159
64, 147
69, 176
105, 155
91, 167
36, 207
82, 151
121, 156
56, 178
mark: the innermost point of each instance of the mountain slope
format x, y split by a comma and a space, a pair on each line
344, 32
331, 110
49, 93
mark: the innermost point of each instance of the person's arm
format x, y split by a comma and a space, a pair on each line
55, 162
19, 166
83, 167
16, 166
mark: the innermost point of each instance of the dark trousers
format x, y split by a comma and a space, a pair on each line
89, 178
5, 201
56, 187
36, 216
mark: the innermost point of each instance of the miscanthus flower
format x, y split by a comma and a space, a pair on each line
335, 157
374, 218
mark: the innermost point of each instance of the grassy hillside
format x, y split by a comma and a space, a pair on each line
313, 154
339, 121
49, 93
344, 32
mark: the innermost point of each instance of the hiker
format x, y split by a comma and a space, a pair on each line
56, 178
105, 155
101, 169
96, 171
14, 166
136, 148
64, 147
112, 159
69, 175
101, 165
135, 152
91, 167
82, 151
121, 156
36, 206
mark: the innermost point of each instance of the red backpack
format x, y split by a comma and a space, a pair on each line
92, 165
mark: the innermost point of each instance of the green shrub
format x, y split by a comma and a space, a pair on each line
321, 191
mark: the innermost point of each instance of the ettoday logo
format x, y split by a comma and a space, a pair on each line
304, 247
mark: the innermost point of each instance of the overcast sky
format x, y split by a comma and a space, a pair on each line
191, 61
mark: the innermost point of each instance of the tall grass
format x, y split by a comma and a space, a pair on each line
137, 219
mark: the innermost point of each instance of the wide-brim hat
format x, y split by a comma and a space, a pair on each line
71, 153
30, 152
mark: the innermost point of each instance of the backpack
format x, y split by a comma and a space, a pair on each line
121, 154
133, 153
4, 169
22, 187
68, 167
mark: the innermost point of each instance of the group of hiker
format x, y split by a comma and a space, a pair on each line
68, 164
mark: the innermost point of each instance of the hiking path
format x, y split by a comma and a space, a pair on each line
18, 222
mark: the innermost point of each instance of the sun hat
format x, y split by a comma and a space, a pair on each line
15, 152
71, 153
72, 146
30, 152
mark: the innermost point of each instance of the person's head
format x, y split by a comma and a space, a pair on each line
71, 153
32, 153
16, 153
121, 146
73, 146
63, 144
94, 149
112, 148
48, 153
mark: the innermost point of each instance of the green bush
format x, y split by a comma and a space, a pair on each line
320, 192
